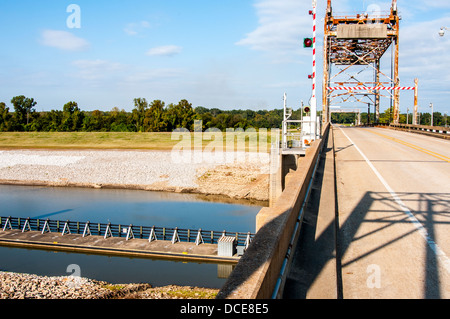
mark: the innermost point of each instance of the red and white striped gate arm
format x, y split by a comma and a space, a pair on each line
377, 88
314, 49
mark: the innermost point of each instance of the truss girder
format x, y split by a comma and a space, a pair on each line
354, 45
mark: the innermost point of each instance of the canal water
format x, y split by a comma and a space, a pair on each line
135, 207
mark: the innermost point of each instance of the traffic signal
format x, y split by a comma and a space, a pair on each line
306, 109
308, 43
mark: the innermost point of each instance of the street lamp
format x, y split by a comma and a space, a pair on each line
442, 31
432, 122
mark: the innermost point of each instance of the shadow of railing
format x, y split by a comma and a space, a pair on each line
433, 209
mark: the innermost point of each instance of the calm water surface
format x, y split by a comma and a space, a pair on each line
121, 207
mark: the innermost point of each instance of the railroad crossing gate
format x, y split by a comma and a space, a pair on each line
353, 48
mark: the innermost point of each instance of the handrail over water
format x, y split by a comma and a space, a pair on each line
129, 232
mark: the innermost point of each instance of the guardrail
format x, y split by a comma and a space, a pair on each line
436, 131
198, 236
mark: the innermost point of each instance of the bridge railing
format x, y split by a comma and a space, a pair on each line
436, 131
257, 273
106, 230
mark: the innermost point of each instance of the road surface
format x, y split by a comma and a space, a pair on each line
393, 193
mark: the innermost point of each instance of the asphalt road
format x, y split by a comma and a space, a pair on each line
393, 191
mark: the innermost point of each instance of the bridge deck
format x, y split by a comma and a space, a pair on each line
393, 194
392, 220
114, 246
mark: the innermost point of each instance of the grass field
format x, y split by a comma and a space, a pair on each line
122, 140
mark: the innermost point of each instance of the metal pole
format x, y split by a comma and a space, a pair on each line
284, 136
313, 98
396, 66
416, 89
325, 107
377, 92
432, 122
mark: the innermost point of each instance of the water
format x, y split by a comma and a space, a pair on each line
115, 270
125, 207
121, 207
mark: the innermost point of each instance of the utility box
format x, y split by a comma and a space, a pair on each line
227, 246
240, 250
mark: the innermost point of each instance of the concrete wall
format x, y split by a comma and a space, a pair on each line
256, 273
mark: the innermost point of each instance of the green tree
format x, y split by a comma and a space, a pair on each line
385, 117
185, 114
5, 117
23, 108
140, 107
154, 119
180, 115
119, 121
48, 121
94, 122
72, 117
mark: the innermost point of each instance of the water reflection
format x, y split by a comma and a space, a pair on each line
126, 207
115, 270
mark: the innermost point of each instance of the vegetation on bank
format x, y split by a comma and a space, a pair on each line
156, 116
145, 117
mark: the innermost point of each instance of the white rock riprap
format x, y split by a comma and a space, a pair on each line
96, 167
27, 286
152, 170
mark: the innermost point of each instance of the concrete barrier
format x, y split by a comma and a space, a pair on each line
256, 273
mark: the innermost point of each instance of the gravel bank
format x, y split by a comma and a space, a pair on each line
245, 176
25, 286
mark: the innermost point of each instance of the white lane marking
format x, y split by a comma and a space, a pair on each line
422, 231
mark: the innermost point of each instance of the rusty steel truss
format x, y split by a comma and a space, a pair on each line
354, 46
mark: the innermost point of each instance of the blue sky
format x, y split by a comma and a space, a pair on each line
226, 54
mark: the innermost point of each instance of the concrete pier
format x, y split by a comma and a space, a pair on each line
142, 248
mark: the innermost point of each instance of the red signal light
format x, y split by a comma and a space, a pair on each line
308, 43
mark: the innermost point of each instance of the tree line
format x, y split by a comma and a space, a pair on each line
146, 116
155, 116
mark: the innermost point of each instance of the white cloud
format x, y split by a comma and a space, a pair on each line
134, 28
92, 70
167, 50
281, 26
63, 40
153, 75
422, 47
